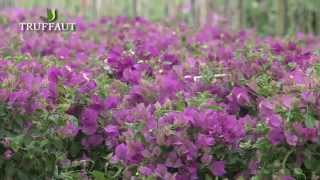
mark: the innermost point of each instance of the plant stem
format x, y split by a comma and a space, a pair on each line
286, 158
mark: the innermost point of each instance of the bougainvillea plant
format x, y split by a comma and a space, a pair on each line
131, 99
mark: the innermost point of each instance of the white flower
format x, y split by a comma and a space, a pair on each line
196, 78
69, 68
220, 75
187, 76
85, 76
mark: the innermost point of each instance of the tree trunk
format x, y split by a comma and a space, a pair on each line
171, 8
282, 6
98, 7
203, 14
193, 12
317, 21
210, 10
135, 8
233, 14
226, 9
240, 14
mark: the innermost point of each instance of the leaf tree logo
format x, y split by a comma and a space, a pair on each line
52, 15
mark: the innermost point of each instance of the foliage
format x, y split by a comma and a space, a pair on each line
147, 101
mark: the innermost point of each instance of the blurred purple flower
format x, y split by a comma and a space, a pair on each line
287, 178
276, 136
217, 168
92, 141
291, 139
145, 171
88, 121
121, 152
69, 130
111, 130
240, 95
274, 120
8, 154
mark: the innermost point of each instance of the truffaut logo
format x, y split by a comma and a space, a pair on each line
52, 15
49, 24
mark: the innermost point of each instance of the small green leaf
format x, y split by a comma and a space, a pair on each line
98, 175
63, 107
263, 144
216, 108
299, 172
51, 15
317, 69
310, 120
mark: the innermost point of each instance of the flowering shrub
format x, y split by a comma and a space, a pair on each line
132, 99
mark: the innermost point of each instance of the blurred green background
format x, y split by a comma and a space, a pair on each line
267, 17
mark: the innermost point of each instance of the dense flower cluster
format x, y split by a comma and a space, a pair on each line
127, 98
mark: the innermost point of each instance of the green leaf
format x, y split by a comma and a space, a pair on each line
312, 163
63, 107
255, 178
317, 69
262, 128
310, 120
263, 144
52, 15
208, 177
265, 87
16, 142
22, 175
216, 108
98, 175
299, 172
74, 120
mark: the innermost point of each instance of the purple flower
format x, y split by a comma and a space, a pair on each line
277, 70
168, 60
4, 94
53, 74
131, 76
92, 141
160, 170
111, 102
89, 122
277, 48
276, 136
8, 154
298, 77
274, 120
206, 159
173, 161
253, 167
69, 130
287, 178
217, 168
96, 103
169, 85
310, 134
87, 87
240, 95
121, 152
111, 130
145, 171
287, 102
291, 138
308, 97
265, 106
62, 53
204, 140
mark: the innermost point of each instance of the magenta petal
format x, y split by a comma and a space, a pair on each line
291, 138
217, 168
